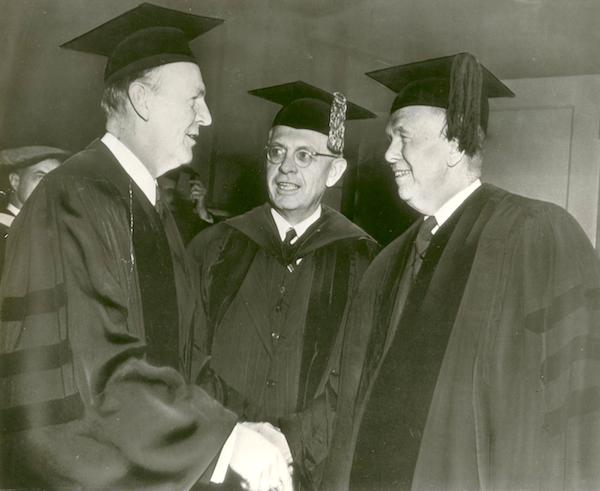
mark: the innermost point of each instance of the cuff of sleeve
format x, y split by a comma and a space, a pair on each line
218, 475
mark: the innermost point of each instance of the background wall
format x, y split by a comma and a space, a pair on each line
545, 49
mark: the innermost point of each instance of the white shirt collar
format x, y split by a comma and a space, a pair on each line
132, 165
283, 226
13, 209
450, 206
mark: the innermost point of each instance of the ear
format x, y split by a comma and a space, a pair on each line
336, 171
14, 180
138, 95
455, 155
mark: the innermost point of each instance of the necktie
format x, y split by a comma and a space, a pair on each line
287, 248
159, 205
422, 241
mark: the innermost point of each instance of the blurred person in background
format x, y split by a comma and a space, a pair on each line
22, 170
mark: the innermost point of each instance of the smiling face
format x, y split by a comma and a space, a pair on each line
176, 110
296, 192
419, 155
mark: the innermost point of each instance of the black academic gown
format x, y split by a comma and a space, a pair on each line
6, 219
274, 332
506, 357
97, 314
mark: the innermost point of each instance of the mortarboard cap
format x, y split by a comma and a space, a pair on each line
457, 83
308, 107
21, 157
144, 37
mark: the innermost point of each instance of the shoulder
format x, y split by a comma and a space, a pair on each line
88, 177
338, 223
210, 241
519, 217
387, 258
542, 244
85, 168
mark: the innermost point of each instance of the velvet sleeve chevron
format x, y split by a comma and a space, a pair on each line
79, 404
560, 292
542, 401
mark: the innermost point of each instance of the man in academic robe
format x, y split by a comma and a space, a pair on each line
275, 281
22, 170
97, 301
473, 347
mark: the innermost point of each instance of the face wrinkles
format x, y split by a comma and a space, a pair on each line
178, 109
296, 192
418, 154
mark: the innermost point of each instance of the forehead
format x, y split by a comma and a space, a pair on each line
180, 76
417, 118
298, 137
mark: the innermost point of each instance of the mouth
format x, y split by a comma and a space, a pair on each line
192, 136
399, 173
287, 187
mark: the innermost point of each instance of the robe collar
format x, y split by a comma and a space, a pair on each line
283, 225
450, 206
132, 165
12, 209
258, 225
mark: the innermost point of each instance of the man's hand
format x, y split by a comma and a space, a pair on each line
198, 194
275, 436
197, 190
259, 462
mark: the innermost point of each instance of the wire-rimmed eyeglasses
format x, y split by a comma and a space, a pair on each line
303, 157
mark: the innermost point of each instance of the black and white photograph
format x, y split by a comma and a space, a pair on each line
300, 245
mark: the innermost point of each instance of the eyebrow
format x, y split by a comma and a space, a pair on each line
396, 127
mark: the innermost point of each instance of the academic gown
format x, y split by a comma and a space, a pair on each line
97, 313
513, 399
6, 219
274, 331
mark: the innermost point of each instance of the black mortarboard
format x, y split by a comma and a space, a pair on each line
457, 83
310, 108
144, 37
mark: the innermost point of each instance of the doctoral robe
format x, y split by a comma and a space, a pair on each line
6, 219
274, 329
509, 397
97, 314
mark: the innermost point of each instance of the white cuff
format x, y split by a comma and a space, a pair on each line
218, 475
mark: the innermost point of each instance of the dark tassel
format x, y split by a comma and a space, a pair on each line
464, 106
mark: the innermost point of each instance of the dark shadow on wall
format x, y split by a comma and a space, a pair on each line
236, 184
378, 209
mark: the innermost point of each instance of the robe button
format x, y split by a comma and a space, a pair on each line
275, 336
282, 289
271, 383
278, 307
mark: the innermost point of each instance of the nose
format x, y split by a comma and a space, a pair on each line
394, 151
288, 165
203, 116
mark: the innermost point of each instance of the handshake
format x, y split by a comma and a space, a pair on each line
260, 455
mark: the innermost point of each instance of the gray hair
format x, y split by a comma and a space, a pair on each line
116, 95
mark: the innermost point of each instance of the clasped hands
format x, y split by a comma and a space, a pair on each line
262, 457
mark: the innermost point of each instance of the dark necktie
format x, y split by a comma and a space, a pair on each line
159, 205
287, 248
422, 241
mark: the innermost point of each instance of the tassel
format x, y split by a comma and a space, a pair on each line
464, 106
337, 118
